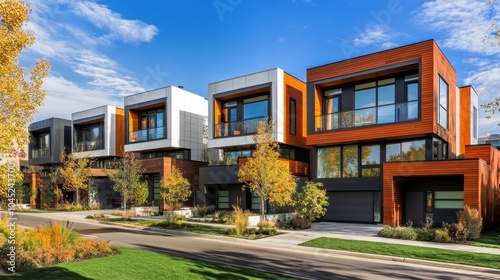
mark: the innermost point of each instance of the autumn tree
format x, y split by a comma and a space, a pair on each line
311, 202
127, 176
175, 189
75, 171
19, 95
264, 175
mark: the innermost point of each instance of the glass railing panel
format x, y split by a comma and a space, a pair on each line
238, 128
38, 153
147, 134
91, 145
368, 116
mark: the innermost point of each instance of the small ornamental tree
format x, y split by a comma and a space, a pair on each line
21, 90
126, 174
264, 174
75, 171
174, 189
311, 201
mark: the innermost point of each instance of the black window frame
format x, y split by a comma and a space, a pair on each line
292, 120
441, 81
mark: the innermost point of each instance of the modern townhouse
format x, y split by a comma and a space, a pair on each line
386, 131
165, 127
98, 133
49, 139
235, 107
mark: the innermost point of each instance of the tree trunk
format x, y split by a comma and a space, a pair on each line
77, 196
124, 202
262, 209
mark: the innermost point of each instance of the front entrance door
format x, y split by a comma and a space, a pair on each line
414, 207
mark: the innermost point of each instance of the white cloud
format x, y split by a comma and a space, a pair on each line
123, 29
464, 23
486, 82
381, 35
70, 46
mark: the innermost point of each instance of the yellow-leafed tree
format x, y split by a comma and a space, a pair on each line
264, 174
75, 171
174, 189
19, 95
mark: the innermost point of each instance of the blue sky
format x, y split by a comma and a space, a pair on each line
104, 50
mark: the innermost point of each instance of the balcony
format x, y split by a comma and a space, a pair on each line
147, 134
392, 113
238, 128
84, 146
39, 153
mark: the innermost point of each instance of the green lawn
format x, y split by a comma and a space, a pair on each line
488, 239
140, 264
196, 228
406, 251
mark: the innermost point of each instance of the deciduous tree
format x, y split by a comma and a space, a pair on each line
20, 95
264, 174
174, 188
311, 202
75, 171
127, 176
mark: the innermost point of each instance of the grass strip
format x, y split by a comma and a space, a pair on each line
141, 264
407, 251
187, 227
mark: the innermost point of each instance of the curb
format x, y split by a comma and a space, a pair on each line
313, 250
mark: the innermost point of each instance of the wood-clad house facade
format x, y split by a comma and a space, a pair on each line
236, 106
386, 129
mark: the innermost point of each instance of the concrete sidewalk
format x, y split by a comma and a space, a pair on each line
366, 232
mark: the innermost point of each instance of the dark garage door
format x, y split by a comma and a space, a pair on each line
350, 206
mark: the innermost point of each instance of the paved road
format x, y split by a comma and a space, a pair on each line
308, 263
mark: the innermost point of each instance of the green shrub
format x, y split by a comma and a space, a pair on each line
202, 211
457, 232
471, 221
301, 223
389, 232
443, 236
406, 233
268, 231
425, 234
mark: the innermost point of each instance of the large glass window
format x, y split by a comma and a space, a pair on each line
223, 199
370, 160
374, 102
329, 162
151, 126
350, 161
443, 103
89, 137
242, 116
406, 151
448, 199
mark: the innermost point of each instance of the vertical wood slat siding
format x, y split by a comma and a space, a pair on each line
489, 180
133, 122
464, 119
163, 166
296, 89
119, 132
425, 53
296, 168
471, 169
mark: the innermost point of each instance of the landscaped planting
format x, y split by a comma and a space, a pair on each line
46, 245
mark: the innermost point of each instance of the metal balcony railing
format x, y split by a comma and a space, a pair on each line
391, 113
89, 145
238, 128
147, 134
38, 153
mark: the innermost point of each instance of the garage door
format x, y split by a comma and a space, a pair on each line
350, 207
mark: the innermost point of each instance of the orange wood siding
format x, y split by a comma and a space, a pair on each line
296, 89
465, 121
119, 131
133, 121
481, 189
217, 113
296, 168
432, 62
163, 166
